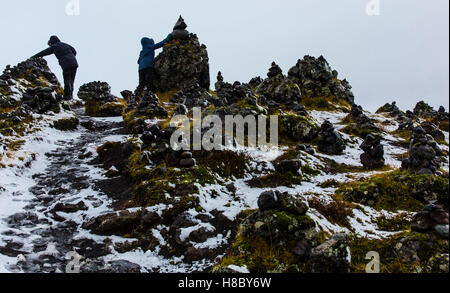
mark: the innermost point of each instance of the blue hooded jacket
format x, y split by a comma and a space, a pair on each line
147, 55
64, 53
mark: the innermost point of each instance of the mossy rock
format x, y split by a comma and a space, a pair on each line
67, 124
394, 254
396, 191
97, 109
298, 128
258, 245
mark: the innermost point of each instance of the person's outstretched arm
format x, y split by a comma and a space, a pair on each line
46, 52
162, 43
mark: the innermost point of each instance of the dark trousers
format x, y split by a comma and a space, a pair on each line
69, 75
146, 79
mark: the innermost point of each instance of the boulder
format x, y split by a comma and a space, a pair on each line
332, 256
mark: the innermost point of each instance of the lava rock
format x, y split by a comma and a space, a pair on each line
373, 156
332, 256
431, 218
329, 140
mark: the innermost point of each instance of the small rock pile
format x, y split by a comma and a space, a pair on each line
278, 89
329, 140
99, 102
433, 130
373, 156
392, 109
424, 153
316, 79
141, 107
423, 110
179, 30
362, 120
182, 63
195, 96
433, 218
232, 93
41, 92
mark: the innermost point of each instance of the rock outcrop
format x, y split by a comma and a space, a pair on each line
182, 63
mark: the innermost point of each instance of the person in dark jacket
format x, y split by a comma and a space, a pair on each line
145, 61
66, 57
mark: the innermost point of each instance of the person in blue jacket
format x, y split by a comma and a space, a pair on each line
66, 57
145, 61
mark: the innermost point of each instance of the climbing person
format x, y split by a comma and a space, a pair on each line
66, 57
145, 61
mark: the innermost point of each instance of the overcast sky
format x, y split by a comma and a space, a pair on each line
402, 54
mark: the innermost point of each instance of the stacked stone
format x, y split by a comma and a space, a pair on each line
274, 70
392, 109
316, 79
232, 93
278, 89
99, 102
182, 63
149, 107
364, 122
423, 110
433, 130
442, 115
432, 218
36, 97
179, 30
373, 156
424, 153
196, 96
329, 140
96, 91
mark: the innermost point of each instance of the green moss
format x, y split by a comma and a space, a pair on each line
444, 126
337, 212
400, 222
354, 129
325, 104
390, 262
393, 191
66, 124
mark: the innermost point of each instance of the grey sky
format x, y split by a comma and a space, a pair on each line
402, 55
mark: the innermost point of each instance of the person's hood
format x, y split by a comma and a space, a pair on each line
147, 42
53, 40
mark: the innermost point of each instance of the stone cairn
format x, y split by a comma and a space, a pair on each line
373, 152
183, 63
424, 153
329, 140
179, 30
433, 218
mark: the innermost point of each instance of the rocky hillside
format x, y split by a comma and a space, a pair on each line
97, 176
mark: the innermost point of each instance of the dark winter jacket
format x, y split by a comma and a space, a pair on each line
64, 52
147, 55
